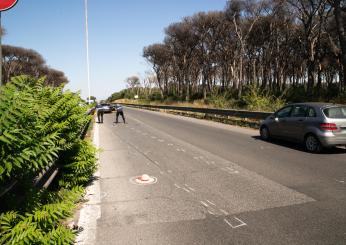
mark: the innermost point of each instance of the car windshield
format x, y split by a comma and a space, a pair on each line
335, 112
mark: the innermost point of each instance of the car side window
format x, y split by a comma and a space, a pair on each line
284, 112
299, 111
311, 112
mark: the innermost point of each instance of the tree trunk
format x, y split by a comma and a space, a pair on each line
342, 38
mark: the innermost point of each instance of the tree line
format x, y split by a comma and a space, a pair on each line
18, 61
277, 46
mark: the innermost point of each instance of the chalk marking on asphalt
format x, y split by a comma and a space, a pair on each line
224, 212
242, 223
211, 202
176, 185
204, 204
187, 190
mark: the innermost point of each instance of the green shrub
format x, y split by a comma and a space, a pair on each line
81, 164
42, 225
256, 100
38, 124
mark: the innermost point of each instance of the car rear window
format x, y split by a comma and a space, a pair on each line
335, 112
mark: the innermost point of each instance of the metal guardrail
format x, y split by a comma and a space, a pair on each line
222, 112
47, 175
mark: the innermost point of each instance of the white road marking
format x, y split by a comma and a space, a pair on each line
183, 150
207, 162
161, 140
210, 202
192, 189
157, 162
178, 149
341, 181
162, 173
176, 185
212, 162
210, 212
169, 171
204, 204
196, 158
224, 212
153, 137
187, 190
242, 223
170, 144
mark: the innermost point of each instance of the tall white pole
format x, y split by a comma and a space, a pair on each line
87, 46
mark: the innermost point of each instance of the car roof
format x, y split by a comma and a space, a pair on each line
317, 104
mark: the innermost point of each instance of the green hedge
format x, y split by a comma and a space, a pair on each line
40, 125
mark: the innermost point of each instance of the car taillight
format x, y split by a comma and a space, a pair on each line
328, 127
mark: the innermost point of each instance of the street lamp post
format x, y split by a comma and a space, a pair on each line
87, 46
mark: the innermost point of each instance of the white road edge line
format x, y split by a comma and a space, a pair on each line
91, 211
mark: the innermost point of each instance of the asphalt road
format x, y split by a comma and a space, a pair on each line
216, 184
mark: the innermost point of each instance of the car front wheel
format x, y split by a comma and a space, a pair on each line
264, 132
312, 144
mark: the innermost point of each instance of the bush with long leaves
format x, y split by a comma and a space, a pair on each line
40, 125
36, 123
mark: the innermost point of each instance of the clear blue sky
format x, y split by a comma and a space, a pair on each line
118, 31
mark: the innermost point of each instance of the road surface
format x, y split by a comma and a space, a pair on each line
215, 184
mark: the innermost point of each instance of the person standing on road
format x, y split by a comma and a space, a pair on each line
120, 111
100, 112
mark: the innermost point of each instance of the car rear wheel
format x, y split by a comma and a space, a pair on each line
312, 144
264, 132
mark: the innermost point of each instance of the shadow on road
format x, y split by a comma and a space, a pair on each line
300, 147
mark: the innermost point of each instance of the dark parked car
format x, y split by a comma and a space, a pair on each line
105, 107
317, 125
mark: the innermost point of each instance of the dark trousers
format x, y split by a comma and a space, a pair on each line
122, 115
100, 116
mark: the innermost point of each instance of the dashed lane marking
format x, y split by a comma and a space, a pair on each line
224, 212
187, 190
204, 204
211, 202
176, 185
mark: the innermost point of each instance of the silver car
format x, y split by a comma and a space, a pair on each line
317, 125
